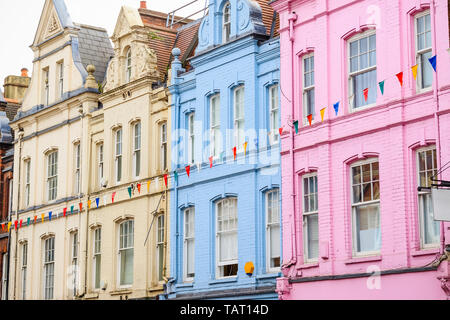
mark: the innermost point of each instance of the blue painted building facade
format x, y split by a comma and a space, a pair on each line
225, 113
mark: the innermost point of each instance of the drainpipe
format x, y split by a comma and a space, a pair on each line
21, 133
293, 261
436, 117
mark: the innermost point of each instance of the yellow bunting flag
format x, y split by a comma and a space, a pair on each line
42, 217
148, 186
414, 71
9, 225
245, 148
322, 113
89, 204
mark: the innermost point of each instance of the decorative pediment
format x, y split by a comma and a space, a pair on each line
53, 26
128, 18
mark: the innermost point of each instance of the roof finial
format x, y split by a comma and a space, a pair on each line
90, 80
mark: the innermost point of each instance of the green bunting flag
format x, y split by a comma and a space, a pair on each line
381, 84
28, 221
296, 126
175, 175
129, 191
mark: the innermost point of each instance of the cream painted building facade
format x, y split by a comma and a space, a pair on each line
94, 129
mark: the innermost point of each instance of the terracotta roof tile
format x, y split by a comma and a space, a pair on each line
267, 15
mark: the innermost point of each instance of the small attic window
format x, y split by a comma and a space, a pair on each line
226, 28
128, 66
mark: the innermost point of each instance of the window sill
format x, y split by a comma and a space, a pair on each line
425, 252
184, 285
91, 296
357, 109
121, 291
363, 259
224, 281
269, 276
308, 265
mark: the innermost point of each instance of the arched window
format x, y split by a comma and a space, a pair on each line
128, 66
226, 28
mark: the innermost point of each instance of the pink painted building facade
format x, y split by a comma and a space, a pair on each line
355, 225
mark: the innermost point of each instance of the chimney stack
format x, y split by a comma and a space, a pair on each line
143, 4
24, 72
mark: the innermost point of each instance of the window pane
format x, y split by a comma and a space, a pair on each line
366, 173
368, 228
356, 174
367, 189
431, 228
126, 270
361, 82
426, 69
375, 171
313, 236
356, 194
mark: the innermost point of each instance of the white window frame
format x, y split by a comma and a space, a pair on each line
24, 264
122, 248
128, 64
274, 114
307, 213
61, 78
215, 150
52, 177
100, 155
239, 121
352, 94
419, 53
364, 203
96, 257
163, 146
160, 239
48, 268
424, 193
118, 151
191, 138
77, 168
226, 24
307, 89
188, 240
74, 250
27, 183
4, 276
269, 226
221, 264
137, 142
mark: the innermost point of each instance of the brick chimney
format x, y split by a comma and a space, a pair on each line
24, 72
143, 4
16, 86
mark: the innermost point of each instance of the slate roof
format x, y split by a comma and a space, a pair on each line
95, 48
2, 99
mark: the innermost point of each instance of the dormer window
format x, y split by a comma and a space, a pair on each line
226, 23
128, 66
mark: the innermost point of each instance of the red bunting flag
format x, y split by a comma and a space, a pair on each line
3, 226
400, 78
81, 206
139, 187
15, 224
20, 225
366, 94
234, 152
310, 119
280, 131
113, 196
64, 212
165, 179
35, 218
211, 162
188, 171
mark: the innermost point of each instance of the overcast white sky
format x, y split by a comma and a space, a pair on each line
19, 20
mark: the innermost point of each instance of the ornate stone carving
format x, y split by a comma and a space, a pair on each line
110, 75
52, 26
243, 14
145, 61
204, 32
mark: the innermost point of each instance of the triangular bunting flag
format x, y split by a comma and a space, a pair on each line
71, 209
64, 212
322, 113
188, 171
89, 204
433, 62
280, 130
165, 179
211, 162
296, 126
28, 221
148, 186
20, 224
234, 153
414, 71
175, 175
129, 191
157, 182
105, 200
3, 227
366, 94
113, 196
139, 188
42, 217
50, 216
97, 202
35, 219
15, 224
309, 119
9, 226
336, 107
381, 85
80, 205
400, 78
199, 167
